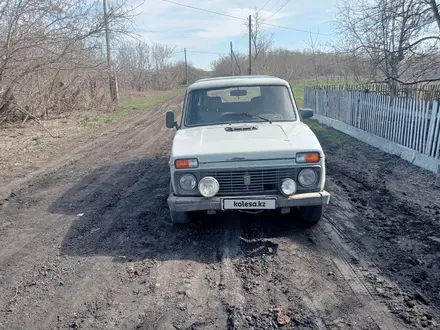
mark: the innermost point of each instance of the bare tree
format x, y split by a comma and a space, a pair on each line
313, 44
142, 67
293, 65
396, 35
435, 10
261, 40
135, 63
48, 52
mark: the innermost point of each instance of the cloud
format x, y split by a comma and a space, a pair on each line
178, 26
181, 26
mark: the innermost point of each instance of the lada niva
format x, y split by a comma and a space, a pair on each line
241, 145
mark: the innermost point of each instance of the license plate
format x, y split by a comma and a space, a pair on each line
249, 204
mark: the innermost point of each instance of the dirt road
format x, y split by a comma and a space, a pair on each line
87, 244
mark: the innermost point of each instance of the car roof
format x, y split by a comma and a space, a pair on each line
233, 81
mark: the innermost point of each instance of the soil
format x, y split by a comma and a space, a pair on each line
86, 243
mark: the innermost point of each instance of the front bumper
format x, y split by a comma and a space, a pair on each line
186, 204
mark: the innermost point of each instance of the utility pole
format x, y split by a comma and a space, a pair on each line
250, 44
232, 60
186, 68
111, 79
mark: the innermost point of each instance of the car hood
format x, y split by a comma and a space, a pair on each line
250, 141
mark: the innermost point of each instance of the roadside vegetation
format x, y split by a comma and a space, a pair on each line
328, 136
26, 148
130, 104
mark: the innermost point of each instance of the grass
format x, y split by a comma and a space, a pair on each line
129, 105
146, 100
298, 87
35, 140
330, 136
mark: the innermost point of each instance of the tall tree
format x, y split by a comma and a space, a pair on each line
396, 35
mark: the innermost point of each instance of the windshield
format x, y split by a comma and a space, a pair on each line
239, 104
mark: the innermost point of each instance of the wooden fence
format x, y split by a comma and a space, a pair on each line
412, 123
418, 91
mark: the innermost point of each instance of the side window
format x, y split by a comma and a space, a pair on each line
189, 108
184, 107
194, 103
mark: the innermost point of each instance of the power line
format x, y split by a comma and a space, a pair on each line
202, 52
242, 19
297, 30
149, 29
267, 2
276, 3
279, 9
201, 9
197, 52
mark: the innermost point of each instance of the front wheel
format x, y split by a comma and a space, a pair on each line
179, 217
311, 214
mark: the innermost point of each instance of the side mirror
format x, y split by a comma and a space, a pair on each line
306, 113
170, 123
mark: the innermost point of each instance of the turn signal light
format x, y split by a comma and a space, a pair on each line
310, 157
186, 163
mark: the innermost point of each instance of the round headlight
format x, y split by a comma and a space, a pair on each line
288, 187
188, 182
307, 177
209, 187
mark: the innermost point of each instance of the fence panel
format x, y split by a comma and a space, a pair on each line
400, 120
413, 123
424, 126
388, 123
419, 107
435, 140
431, 128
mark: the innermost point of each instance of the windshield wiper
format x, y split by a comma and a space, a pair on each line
252, 115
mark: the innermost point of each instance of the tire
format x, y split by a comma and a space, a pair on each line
311, 214
178, 218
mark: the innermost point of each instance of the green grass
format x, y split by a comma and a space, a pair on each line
90, 120
146, 100
35, 140
128, 106
298, 87
329, 137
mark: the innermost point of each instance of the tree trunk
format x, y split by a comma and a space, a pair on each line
435, 12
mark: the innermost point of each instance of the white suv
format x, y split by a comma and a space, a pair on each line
241, 145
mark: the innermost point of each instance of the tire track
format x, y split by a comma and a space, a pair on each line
89, 270
99, 143
45, 229
331, 241
41, 226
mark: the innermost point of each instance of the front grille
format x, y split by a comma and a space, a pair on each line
233, 182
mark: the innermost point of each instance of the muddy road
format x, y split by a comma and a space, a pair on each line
87, 244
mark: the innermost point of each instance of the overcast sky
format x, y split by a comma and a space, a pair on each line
199, 31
